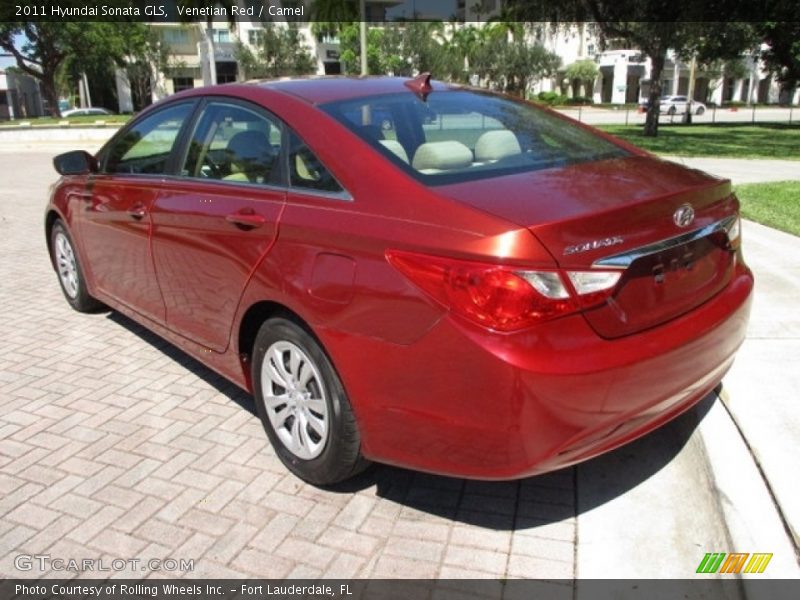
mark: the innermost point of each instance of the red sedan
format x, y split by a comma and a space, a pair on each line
410, 272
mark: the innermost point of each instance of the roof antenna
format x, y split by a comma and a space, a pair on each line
420, 85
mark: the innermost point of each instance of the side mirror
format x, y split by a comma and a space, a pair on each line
77, 162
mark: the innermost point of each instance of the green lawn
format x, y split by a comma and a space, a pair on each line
733, 140
773, 204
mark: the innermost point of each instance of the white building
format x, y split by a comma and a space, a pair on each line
20, 96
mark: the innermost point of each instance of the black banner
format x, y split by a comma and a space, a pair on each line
304, 11
702, 588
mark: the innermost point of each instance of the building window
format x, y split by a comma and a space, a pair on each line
226, 72
182, 83
221, 36
255, 36
176, 36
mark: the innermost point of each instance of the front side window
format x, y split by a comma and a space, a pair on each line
455, 136
145, 147
234, 143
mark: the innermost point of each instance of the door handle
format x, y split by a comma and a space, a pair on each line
137, 211
246, 218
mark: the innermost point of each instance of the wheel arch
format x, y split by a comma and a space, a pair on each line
49, 221
251, 321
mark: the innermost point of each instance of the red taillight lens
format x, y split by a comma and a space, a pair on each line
494, 296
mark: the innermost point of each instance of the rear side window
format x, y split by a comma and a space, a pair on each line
146, 147
307, 171
460, 135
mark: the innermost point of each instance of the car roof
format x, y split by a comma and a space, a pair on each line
319, 90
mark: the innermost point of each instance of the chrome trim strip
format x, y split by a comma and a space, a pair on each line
343, 195
624, 259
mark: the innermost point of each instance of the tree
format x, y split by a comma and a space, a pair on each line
461, 46
45, 47
147, 55
717, 70
330, 16
782, 53
350, 49
582, 73
334, 11
506, 60
208, 39
280, 52
41, 48
402, 49
649, 25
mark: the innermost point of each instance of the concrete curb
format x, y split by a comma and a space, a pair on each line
748, 509
57, 134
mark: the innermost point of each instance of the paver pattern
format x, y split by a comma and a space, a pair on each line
116, 445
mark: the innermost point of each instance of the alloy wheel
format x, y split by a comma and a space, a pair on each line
66, 265
294, 397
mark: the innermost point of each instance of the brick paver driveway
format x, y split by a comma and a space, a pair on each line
115, 445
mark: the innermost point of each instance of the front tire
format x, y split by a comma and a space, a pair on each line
672, 110
700, 110
303, 406
68, 267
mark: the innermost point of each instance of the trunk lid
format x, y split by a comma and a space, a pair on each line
623, 208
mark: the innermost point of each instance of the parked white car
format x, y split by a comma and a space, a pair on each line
678, 104
85, 112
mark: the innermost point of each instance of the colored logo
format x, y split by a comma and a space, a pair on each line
719, 562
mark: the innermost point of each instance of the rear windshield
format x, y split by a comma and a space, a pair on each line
460, 135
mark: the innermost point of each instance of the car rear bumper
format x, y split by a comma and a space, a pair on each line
467, 402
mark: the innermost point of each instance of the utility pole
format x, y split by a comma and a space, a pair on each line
363, 10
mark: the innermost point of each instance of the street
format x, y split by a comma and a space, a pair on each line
631, 116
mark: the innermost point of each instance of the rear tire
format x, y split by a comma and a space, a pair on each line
671, 111
303, 406
700, 110
68, 267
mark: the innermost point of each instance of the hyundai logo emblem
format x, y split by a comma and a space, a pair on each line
684, 216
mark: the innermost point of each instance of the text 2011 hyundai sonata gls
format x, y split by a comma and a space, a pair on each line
410, 272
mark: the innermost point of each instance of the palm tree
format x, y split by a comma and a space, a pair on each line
206, 31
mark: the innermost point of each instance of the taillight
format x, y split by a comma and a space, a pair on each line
593, 287
734, 231
500, 297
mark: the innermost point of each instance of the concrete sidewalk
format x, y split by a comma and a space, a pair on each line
742, 170
763, 384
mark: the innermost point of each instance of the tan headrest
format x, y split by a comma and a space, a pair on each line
497, 144
442, 156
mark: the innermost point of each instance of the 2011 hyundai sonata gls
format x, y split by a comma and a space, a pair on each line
411, 272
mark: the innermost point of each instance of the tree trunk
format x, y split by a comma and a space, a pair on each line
653, 109
48, 85
687, 116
